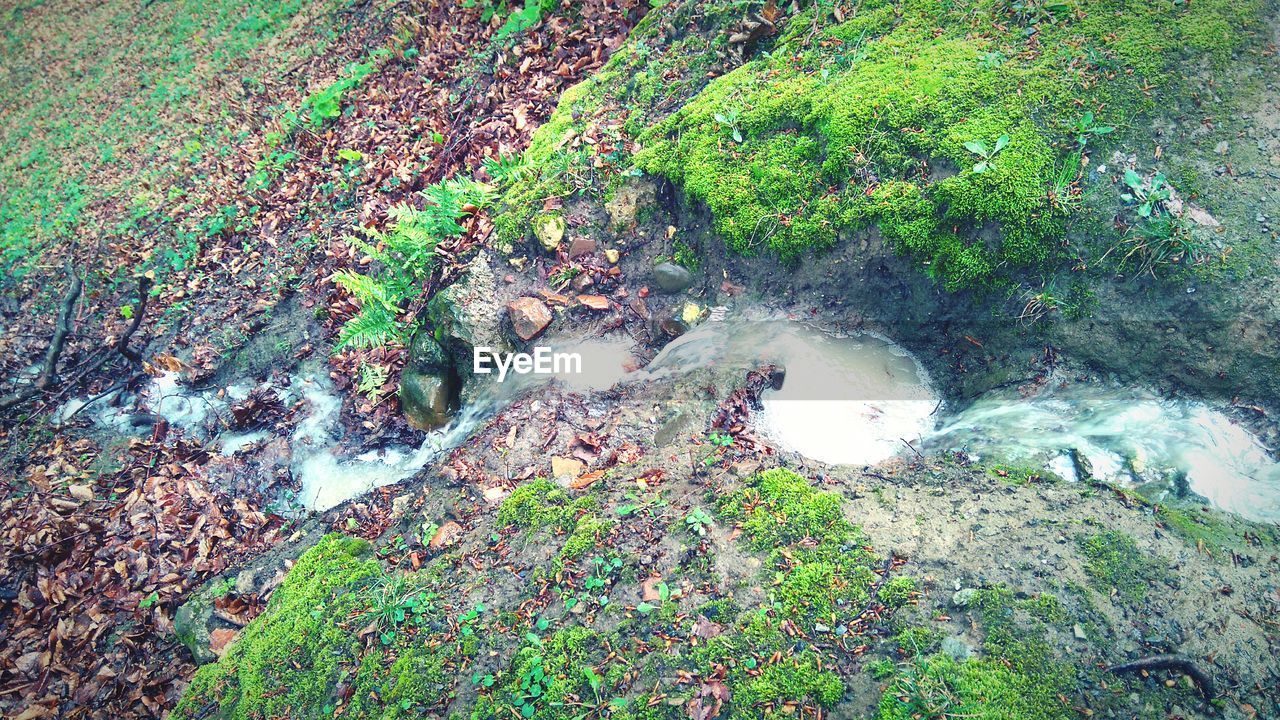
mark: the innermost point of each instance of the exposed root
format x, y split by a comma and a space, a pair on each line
1170, 662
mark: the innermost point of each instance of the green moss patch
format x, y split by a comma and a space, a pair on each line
823, 566
287, 662
1114, 562
946, 125
938, 687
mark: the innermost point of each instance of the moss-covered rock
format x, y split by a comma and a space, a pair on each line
287, 662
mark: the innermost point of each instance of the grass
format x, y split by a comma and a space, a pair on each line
103, 123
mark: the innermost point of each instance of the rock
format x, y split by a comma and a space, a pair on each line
627, 202
566, 467
428, 384
582, 282
448, 534
613, 256
957, 648
671, 277
495, 495
191, 625
1081, 465
595, 302
468, 314
1079, 632
1222, 148
549, 229
582, 245
649, 591
964, 597
529, 317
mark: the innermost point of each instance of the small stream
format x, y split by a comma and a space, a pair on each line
847, 399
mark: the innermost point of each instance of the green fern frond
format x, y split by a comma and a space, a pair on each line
373, 326
368, 290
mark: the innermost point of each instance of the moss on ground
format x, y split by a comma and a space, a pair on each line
938, 686
287, 662
1114, 562
540, 503
952, 127
823, 568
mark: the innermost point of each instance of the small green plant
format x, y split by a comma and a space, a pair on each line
1086, 127
1149, 196
505, 169
602, 572
395, 604
991, 60
1031, 13
223, 587
373, 378
719, 442
987, 155
405, 254
698, 522
729, 119
467, 620
561, 276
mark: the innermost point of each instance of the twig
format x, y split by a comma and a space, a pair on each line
60, 332
1170, 662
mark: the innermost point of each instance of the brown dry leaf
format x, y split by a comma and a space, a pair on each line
585, 481
220, 638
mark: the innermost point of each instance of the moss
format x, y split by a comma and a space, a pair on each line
938, 686
824, 567
870, 125
1113, 561
287, 661
587, 532
543, 675
898, 591
540, 503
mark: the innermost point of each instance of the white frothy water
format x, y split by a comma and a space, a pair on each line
328, 480
1128, 435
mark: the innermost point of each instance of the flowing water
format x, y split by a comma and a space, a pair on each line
845, 400
1128, 435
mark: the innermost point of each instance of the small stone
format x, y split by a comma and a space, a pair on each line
671, 277
1222, 148
529, 317
495, 495
566, 467
582, 245
964, 598
549, 229
582, 282
819, 627
649, 591
958, 649
1079, 632
612, 256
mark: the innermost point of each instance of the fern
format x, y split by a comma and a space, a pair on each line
373, 326
404, 258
